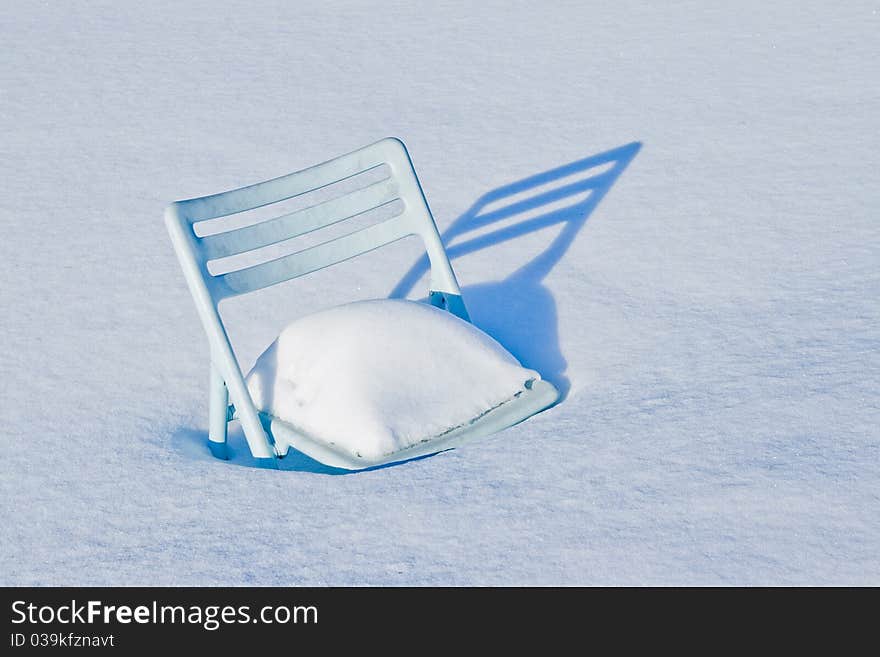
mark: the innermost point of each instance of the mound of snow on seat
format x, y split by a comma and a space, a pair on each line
375, 377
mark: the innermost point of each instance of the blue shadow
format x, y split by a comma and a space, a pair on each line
520, 311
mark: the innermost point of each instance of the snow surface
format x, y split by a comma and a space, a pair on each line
711, 309
375, 377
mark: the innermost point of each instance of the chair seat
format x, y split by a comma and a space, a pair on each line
524, 404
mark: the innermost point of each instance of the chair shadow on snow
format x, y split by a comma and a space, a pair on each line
519, 311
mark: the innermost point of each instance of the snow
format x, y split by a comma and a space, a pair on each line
710, 310
375, 377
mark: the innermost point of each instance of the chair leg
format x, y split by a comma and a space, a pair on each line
217, 415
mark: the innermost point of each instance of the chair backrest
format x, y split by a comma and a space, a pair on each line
411, 217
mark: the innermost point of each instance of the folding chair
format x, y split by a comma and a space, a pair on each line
267, 437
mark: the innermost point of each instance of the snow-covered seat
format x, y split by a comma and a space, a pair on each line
268, 432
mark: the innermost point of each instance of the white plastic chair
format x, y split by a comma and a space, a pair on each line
208, 290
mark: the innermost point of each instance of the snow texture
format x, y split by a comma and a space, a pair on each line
706, 295
375, 377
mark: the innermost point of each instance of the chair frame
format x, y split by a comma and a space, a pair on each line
208, 290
